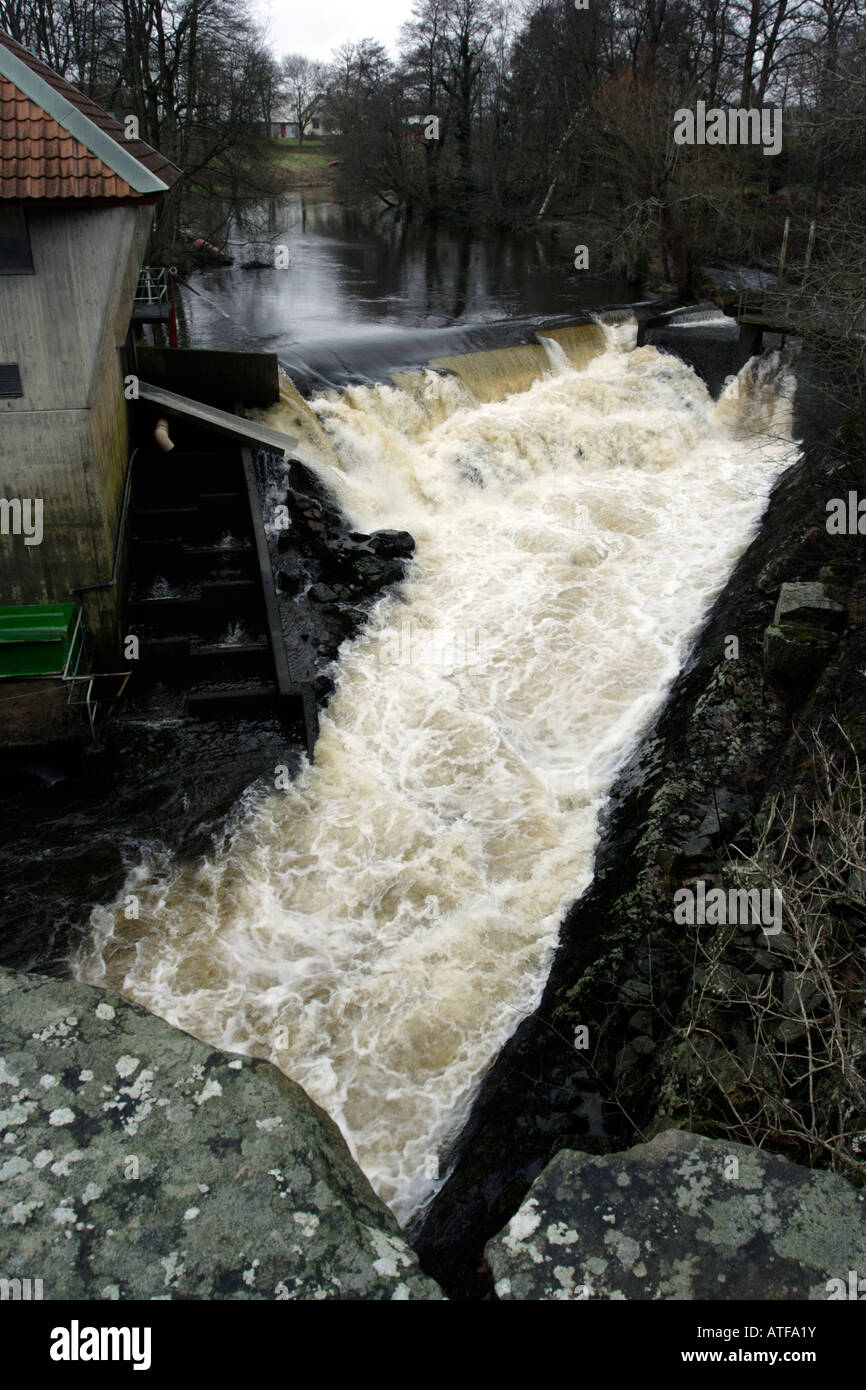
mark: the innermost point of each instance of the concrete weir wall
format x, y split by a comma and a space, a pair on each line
213, 375
493, 375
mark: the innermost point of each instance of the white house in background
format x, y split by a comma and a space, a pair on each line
286, 127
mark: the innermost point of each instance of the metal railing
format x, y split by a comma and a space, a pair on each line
772, 304
91, 700
791, 309
153, 285
89, 683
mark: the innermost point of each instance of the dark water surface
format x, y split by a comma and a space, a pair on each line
366, 289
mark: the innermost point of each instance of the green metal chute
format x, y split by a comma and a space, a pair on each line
38, 639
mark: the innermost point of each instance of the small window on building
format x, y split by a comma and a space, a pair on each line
15, 257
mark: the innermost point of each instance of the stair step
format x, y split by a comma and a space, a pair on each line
227, 588
228, 648
180, 612
164, 511
233, 699
207, 552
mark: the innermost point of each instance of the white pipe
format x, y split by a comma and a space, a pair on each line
161, 436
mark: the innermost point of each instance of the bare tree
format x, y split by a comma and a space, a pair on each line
195, 74
304, 85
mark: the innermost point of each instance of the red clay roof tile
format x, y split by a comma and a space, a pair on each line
39, 159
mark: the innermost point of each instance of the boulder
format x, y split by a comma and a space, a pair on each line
808, 605
139, 1163
322, 593
392, 544
682, 1217
796, 655
374, 572
292, 575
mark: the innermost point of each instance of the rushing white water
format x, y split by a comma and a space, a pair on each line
380, 927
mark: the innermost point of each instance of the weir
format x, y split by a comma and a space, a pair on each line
494, 375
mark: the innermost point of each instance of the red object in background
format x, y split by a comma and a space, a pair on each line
172, 318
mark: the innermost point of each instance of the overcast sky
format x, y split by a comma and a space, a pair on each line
317, 27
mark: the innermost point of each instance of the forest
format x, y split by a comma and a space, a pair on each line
549, 114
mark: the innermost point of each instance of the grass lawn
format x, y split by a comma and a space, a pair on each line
313, 158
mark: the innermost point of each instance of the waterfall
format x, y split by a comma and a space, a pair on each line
379, 928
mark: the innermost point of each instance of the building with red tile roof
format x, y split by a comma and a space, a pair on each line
77, 201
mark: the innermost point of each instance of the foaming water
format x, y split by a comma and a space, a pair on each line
379, 928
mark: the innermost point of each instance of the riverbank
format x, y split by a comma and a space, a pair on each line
695, 794
311, 165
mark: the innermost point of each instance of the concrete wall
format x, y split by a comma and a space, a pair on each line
65, 440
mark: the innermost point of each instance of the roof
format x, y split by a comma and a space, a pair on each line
55, 143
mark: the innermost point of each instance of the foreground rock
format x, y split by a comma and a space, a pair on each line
139, 1163
683, 1217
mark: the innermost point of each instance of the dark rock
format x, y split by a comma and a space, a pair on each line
292, 576
808, 605
374, 573
349, 619
641, 1022
391, 544
697, 847
796, 655
790, 1030
322, 593
632, 1053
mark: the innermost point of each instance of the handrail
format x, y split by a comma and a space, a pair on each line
65, 673
153, 285
121, 526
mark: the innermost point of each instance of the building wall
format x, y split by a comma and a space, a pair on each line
65, 440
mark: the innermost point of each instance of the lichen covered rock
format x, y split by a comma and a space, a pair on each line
683, 1217
138, 1163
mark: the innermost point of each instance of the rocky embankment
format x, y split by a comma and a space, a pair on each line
328, 577
645, 1025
